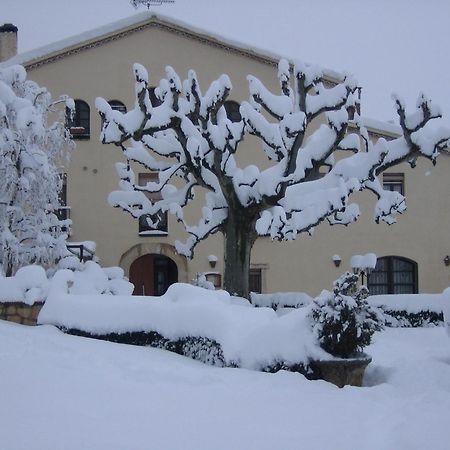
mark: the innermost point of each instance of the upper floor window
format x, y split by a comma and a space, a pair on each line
393, 275
151, 224
79, 122
118, 106
394, 182
232, 109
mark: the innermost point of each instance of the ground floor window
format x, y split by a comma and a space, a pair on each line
393, 275
255, 281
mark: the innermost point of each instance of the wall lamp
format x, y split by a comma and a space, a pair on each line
447, 260
337, 260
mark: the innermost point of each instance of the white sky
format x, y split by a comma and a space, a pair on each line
390, 46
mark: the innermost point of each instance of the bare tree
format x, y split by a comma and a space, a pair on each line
178, 131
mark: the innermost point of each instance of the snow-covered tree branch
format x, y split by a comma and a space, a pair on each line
31, 151
187, 135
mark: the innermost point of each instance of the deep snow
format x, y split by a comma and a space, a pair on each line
66, 392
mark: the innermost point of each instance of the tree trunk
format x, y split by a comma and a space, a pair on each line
239, 235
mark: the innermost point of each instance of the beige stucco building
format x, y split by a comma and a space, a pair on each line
99, 64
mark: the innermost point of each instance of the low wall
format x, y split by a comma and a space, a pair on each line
19, 312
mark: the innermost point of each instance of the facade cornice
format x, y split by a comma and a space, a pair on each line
156, 22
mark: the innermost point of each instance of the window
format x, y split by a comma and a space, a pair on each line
159, 219
393, 275
394, 182
255, 281
232, 109
79, 122
63, 212
118, 106
215, 278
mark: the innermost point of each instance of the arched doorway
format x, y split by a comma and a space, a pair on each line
152, 274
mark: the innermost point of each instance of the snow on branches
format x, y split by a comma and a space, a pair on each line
180, 132
31, 149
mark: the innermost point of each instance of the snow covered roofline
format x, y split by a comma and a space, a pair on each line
116, 30
378, 128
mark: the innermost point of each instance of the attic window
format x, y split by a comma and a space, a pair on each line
78, 123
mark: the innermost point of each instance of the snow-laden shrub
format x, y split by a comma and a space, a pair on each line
280, 300
405, 319
29, 286
201, 281
343, 321
205, 325
410, 310
33, 284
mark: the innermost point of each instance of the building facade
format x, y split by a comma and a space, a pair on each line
412, 252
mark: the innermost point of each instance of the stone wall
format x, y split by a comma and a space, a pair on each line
20, 312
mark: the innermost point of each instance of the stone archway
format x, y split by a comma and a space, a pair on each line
162, 264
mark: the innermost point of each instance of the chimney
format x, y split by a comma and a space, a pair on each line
8, 41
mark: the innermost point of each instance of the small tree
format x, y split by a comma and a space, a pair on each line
30, 151
178, 131
342, 320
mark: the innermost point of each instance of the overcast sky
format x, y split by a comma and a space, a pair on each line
390, 46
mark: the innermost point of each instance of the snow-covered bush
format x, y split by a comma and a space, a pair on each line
342, 320
410, 310
32, 284
32, 148
279, 300
201, 281
203, 324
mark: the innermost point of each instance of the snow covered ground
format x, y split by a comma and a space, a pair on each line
62, 392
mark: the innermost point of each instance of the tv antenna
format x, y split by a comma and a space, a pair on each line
148, 3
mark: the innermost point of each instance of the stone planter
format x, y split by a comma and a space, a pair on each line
342, 371
19, 312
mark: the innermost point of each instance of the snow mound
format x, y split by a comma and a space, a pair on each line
31, 284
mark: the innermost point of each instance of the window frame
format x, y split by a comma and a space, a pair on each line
390, 275
392, 180
79, 122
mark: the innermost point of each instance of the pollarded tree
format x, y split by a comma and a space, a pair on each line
31, 150
179, 132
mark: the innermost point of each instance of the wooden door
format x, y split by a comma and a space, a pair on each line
153, 274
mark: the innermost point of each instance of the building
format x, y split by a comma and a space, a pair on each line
413, 253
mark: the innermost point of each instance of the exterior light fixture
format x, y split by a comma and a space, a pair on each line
337, 260
212, 259
447, 260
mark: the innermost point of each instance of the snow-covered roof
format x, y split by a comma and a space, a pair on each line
379, 127
76, 43
136, 22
